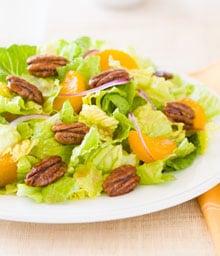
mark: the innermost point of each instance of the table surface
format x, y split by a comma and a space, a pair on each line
182, 35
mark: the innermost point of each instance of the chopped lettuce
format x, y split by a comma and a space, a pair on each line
59, 191
67, 114
89, 179
46, 143
90, 142
8, 137
3, 120
121, 132
152, 173
156, 88
24, 165
153, 123
17, 105
197, 92
87, 67
120, 97
22, 149
186, 152
94, 116
108, 157
13, 60
31, 192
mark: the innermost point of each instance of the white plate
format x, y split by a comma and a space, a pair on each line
189, 183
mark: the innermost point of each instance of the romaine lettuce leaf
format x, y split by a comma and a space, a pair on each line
72, 49
199, 93
24, 165
59, 191
47, 145
108, 157
3, 120
184, 148
153, 123
159, 91
9, 189
31, 192
17, 105
87, 67
120, 97
67, 114
90, 142
123, 128
180, 163
94, 116
8, 137
187, 152
13, 60
23, 148
152, 173
89, 179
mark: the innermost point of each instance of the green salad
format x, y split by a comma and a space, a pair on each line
80, 120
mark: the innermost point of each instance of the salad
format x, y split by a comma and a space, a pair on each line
80, 120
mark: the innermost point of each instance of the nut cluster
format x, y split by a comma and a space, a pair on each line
108, 76
24, 89
121, 180
45, 65
46, 171
180, 112
70, 133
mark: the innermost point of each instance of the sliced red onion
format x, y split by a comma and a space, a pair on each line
97, 89
137, 128
144, 95
90, 52
27, 118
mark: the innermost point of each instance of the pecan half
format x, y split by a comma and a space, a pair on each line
45, 65
72, 133
46, 171
166, 75
121, 180
108, 76
180, 112
24, 89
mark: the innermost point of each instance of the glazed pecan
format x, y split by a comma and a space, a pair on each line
108, 76
71, 133
46, 171
166, 75
180, 112
121, 180
24, 89
45, 65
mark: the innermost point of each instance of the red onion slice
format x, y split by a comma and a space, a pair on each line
97, 89
144, 95
137, 128
90, 52
27, 118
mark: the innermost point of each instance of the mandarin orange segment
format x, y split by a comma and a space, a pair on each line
72, 83
8, 170
159, 147
200, 117
125, 59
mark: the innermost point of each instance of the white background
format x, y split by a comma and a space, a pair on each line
184, 35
